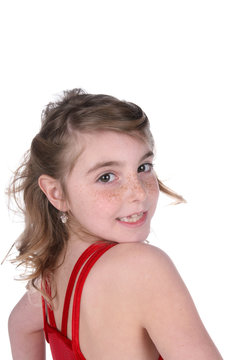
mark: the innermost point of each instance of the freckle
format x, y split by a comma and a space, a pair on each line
152, 186
113, 196
107, 195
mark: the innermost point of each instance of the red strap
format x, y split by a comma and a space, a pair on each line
77, 297
85, 255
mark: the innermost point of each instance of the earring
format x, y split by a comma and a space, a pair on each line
64, 217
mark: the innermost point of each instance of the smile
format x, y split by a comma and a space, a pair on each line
133, 219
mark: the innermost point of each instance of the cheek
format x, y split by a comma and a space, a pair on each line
106, 200
151, 186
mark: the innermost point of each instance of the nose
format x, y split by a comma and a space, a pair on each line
136, 189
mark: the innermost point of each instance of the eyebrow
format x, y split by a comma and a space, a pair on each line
102, 164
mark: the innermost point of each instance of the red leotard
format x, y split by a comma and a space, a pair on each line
63, 348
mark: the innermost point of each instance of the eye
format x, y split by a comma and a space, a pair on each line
106, 178
145, 167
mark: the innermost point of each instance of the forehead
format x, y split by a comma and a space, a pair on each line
108, 143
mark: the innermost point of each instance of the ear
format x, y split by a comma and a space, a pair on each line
53, 191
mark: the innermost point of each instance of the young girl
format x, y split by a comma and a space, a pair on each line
96, 289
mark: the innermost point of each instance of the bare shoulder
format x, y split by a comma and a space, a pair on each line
146, 278
28, 312
135, 252
140, 266
139, 257
146, 275
143, 284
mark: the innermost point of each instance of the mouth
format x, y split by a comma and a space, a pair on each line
136, 218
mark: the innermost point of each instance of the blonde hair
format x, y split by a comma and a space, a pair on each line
45, 236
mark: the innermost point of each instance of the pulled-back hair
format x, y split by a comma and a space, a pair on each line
51, 153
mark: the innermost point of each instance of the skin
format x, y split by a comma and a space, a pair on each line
109, 192
148, 309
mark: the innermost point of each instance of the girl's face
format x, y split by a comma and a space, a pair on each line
112, 191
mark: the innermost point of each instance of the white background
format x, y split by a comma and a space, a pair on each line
179, 60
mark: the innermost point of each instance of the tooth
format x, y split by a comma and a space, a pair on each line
132, 218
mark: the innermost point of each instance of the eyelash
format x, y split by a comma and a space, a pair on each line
109, 173
104, 175
150, 167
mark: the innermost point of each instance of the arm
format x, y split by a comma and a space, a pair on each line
26, 328
166, 309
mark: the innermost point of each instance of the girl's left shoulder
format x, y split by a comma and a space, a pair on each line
140, 262
140, 254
